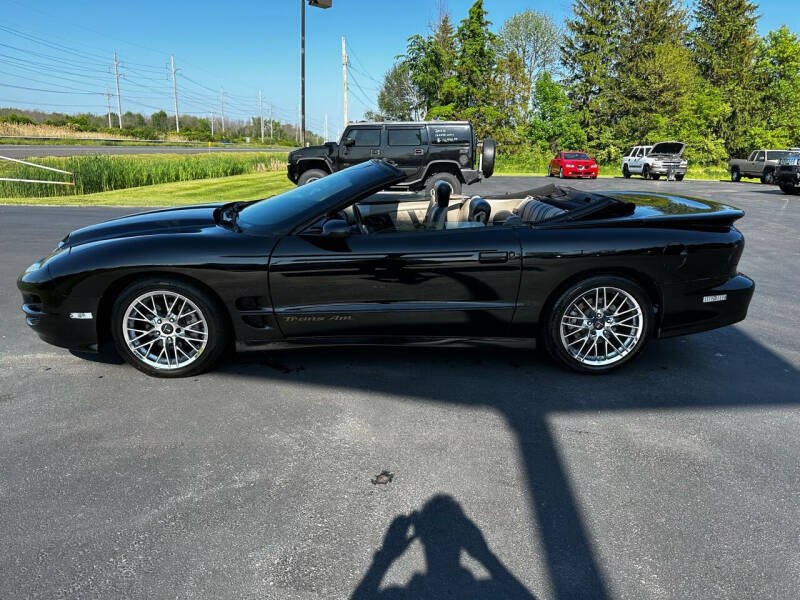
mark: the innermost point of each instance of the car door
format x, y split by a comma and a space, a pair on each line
406, 148
635, 164
757, 166
360, 144
425, 283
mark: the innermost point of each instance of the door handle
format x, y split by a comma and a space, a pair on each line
493, 257
418, 151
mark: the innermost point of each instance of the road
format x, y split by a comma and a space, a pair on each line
25, 151
676, 477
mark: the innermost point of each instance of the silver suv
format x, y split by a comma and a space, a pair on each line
651, 162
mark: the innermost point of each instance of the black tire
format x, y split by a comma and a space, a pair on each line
218, 335
552, 336
310, 175
449, 178
655, 176
561, 173
626, 172
645, 172
679, 177
487, 157
791, 190
550, 172
736, 174
768, 177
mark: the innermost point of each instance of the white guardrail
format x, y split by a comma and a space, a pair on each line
30, 164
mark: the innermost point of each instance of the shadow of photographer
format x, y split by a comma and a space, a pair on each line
444, 531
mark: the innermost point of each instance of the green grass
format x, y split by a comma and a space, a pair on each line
95, 173
222, 189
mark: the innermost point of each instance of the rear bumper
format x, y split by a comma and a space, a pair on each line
693, 306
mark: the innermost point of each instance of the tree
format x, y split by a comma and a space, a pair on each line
777, 73
655, 75
554, 125
725, 45
398, 97
158, 121
428, 67
590, 51
534, 38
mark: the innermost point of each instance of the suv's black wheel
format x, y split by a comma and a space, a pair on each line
168, 328
736, 174
625, 172
598, 324
790, 189
310, 175
645, 172
449, 178
768, 177
679, 177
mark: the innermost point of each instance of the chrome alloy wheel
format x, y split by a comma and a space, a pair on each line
164, 329
601, 326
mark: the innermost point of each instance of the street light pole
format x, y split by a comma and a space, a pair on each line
302, 73
318, 4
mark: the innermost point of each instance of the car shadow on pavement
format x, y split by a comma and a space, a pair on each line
444, 531
720, 369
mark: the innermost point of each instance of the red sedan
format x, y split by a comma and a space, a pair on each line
573, 164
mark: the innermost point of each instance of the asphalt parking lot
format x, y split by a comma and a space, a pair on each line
676, 477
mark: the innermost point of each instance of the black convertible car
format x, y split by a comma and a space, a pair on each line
590, 275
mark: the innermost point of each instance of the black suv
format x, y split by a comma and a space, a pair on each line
788, 173
427, 151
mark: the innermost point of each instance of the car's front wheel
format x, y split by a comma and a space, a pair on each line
768, 177
790, 189
736, 174
310, 175
598, 324
626, 172
168, 328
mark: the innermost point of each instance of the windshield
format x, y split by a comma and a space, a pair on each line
279, 212
576, 156
777, 154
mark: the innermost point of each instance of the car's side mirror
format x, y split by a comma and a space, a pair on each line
336, 228
349, 142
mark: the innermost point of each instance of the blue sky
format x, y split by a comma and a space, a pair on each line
237, 47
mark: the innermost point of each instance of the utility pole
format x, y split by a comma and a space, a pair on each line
344, 79
270, 122
212, 122
175, 93
303, 73
222, 102
108, 107
297, 131
326, 127
119, 102
261, 114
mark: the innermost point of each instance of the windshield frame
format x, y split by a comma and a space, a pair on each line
369, 177
581, 156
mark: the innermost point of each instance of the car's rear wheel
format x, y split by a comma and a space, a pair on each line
645, 172
679, 177
736, 174
168, 328
598, 324
626, 172
310, 175
561, 173
768, 177
449, 178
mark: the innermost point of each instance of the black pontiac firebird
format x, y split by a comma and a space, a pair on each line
590, 275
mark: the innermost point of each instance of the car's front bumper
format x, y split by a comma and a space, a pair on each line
68, 322
693, 306
666, 170
589, 173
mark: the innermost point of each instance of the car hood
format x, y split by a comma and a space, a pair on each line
169, 220
668, 148
327, 149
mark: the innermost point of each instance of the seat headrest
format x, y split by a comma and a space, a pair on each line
441, 192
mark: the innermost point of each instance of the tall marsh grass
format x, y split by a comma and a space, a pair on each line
102, 173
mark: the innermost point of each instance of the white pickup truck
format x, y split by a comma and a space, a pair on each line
651, 162
761, 163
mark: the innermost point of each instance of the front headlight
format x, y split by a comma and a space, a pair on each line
684, 163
